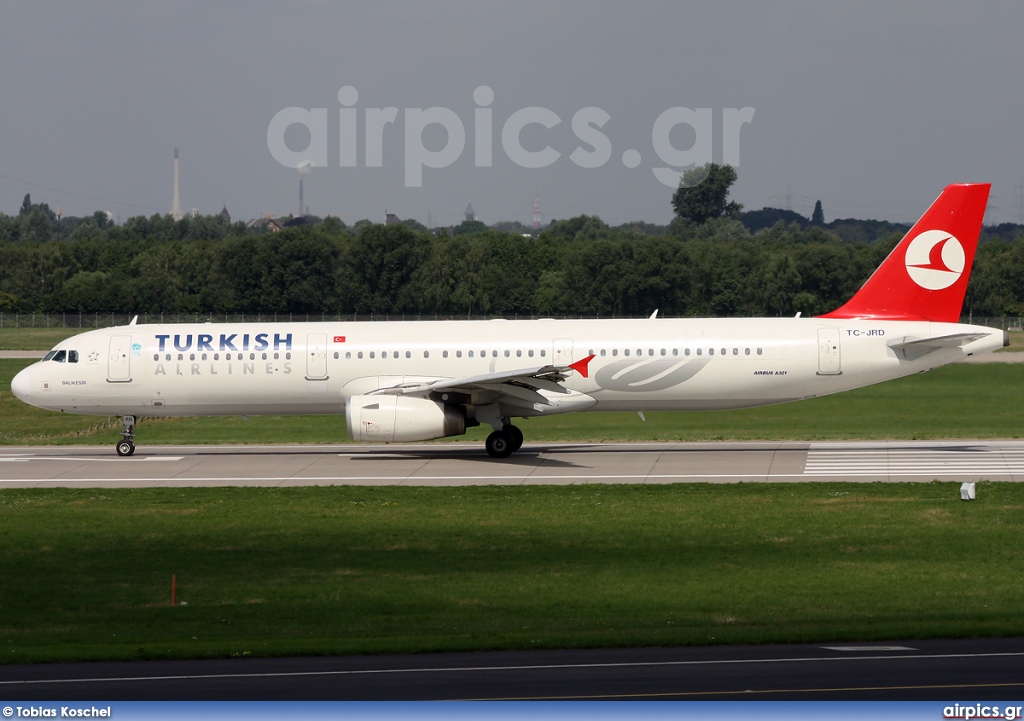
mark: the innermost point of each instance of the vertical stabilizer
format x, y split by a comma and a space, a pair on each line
925, 277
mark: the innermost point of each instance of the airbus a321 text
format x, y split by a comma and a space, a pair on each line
416, 381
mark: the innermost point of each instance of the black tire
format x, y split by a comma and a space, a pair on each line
125, 448
516, 435
499, 444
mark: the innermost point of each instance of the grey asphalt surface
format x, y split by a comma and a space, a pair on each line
948, 670
459, 464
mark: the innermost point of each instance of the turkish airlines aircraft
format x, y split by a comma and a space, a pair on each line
415, 381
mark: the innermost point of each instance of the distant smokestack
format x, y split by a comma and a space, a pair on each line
301, 206
176, 203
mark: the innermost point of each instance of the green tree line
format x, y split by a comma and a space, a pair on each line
575, 267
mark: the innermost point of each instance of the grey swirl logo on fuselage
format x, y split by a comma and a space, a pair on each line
647, 376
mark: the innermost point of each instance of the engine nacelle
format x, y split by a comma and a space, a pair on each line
398, 419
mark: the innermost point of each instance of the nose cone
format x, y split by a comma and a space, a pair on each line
21, 386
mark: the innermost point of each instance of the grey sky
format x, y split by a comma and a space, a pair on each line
871, 107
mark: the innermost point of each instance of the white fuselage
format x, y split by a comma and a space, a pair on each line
314, 368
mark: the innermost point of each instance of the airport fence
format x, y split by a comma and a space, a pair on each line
108, 320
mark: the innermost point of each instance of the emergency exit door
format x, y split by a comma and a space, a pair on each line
316, 357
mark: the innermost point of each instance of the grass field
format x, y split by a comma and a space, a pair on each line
963, 401
87, 573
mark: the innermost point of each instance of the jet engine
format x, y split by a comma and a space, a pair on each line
397, 419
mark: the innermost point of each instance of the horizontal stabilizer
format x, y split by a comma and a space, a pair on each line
913, 348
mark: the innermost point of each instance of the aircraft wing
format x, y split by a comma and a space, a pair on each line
523, 385
913, 348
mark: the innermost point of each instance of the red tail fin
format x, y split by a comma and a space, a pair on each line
925, 276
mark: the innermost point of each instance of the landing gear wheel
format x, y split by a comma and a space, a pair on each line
126, 446
516, 435
500, 444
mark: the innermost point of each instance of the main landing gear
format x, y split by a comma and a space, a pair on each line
126, 446
504, 442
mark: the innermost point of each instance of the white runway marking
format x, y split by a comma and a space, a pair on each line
919, 460
83, 459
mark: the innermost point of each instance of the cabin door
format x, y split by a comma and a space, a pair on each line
119, 368
828, 352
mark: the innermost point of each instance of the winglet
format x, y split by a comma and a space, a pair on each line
581, 366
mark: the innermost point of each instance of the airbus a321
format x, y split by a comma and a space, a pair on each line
417, 381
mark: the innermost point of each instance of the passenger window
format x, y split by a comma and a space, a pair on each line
506, 354
698, 351
711, 351
156, 356
735, 351
675, 351
372, 354
426, 354
360, 355
348, 355
615, 351
543, 353
519, 354
663, 351
471, 354
625, 352
494, 354
530, 353
408, 354
458, 354
650, 351
686, 352
444, 354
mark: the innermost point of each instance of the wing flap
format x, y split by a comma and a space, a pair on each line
532, 387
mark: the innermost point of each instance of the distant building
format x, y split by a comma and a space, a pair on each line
270, 224
225, 215
470, 213
391, 219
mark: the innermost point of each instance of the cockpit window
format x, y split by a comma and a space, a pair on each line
62, 355
50, 355
72, 356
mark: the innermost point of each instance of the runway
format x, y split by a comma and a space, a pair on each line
460, 464
975, 669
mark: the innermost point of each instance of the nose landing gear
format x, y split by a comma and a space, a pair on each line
126, 446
